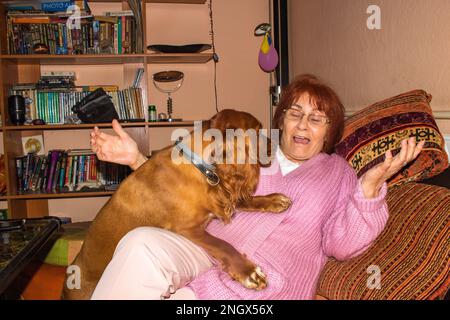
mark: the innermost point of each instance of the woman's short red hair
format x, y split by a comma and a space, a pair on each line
321, 96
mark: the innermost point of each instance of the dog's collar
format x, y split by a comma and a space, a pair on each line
208, 170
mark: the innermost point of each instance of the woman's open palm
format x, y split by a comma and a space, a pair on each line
373, 179
121, 149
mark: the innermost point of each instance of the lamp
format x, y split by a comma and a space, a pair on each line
168, 82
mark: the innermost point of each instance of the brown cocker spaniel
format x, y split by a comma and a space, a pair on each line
156, 195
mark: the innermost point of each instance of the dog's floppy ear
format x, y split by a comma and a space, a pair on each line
224, 119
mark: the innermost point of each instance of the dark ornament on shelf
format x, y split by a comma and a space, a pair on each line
38, 122
189, 48
16, 108
40, 48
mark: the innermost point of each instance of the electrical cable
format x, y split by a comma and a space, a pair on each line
215, 56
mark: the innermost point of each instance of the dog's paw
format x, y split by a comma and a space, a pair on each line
279, 203
256, 280
249, 275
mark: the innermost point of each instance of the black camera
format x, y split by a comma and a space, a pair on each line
96, 107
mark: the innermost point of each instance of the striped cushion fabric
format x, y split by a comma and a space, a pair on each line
369, 133
412, 254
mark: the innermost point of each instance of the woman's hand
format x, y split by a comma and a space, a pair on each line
372, 180
121, 149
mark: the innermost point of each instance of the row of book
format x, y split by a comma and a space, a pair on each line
93, 35
48, 6
55, 106
67, 171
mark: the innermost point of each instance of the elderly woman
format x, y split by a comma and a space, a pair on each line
333, 213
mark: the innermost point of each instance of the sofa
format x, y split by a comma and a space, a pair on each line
410, 258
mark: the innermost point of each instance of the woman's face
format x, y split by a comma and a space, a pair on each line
304, 130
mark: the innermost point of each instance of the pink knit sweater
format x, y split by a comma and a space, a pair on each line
329, 217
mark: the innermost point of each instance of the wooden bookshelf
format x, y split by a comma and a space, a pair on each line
59, 195
103, 59
100, 125
17, 68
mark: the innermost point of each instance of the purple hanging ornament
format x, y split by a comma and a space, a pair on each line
268, 55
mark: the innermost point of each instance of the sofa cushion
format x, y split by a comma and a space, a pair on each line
412, 253
370, 132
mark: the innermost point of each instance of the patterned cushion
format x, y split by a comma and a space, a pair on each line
412, 253
369, 133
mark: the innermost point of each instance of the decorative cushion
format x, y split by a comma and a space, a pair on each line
66, 248
370, 132
412, 253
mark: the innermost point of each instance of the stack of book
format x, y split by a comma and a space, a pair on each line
67, 171
111, 33
55, 106
61, 80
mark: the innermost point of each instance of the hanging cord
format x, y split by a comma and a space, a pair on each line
215, 56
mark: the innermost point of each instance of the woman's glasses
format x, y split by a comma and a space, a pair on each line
295, 114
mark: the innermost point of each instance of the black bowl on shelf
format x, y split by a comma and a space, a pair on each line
189, 48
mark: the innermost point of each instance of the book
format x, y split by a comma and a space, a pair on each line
107, 88
19, 173
42, 173
36, 171
57, 170
68, 174
51, 172
43, 186
63, 169
138, 78
121, 13
30, 20
57, 74
56, 6
72, 152
27, 171
74, 170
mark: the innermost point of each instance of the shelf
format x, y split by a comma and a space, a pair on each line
73, 59
100, 125
58, 195
88, 59
188, 123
